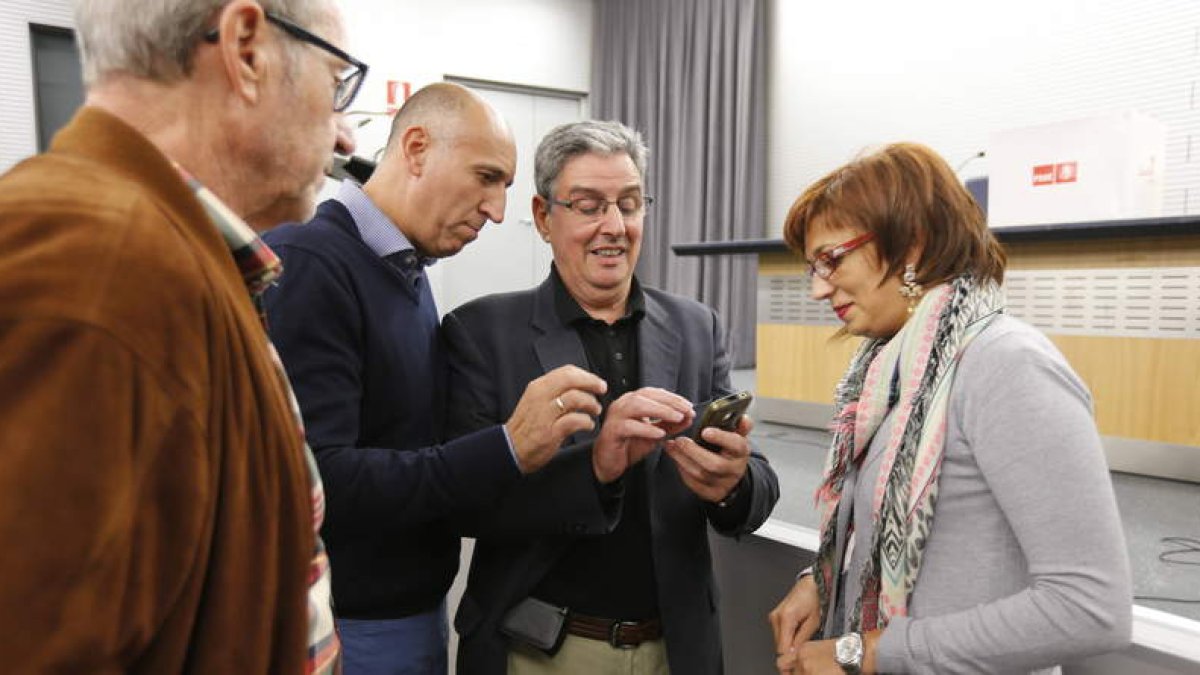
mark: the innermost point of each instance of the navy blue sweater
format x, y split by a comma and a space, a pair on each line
361, 347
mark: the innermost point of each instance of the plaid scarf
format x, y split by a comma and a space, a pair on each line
260, 267
923, 357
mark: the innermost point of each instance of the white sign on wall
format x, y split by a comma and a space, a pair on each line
1109, 167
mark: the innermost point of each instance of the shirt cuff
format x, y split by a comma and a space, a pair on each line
740, 491
512, 451
733, 510
892, 649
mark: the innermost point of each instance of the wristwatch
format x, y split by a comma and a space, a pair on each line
848, 652
733, 494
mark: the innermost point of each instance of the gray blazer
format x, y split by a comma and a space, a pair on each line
496, 345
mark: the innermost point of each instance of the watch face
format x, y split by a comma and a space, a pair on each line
848, 649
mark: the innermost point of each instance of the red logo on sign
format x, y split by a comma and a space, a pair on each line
1049, 174
1043, 174
397, 93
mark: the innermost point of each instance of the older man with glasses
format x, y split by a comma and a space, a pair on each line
161, 509
600, 562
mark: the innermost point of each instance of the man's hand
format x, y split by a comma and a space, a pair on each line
554, 406
633, 425
793, 622
713, 475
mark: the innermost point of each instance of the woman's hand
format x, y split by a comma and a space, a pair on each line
818, 658
794, 621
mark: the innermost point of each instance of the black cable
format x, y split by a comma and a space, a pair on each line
1190, 545
1186, 546
968, 160
1158, 598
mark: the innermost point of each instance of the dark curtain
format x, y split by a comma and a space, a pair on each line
690, 75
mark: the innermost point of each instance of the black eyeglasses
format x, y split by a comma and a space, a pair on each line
348, 82
630, 206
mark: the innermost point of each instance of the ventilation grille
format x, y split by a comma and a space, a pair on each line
785, 299
1137, 302
1122, 302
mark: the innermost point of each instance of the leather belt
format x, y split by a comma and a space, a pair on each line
621, 634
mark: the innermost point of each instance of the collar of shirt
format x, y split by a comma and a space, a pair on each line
378, 232
570, 313
255, 260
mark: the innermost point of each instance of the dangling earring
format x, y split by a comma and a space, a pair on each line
910, 288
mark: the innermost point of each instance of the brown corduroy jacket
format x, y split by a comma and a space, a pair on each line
154, 502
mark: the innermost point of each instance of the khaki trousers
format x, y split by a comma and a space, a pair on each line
581, 656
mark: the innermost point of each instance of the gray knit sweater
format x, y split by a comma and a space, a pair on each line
1026, 565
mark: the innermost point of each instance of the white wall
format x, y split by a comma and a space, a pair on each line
947, 73
542, 43
545, 43
534, 43
18, 121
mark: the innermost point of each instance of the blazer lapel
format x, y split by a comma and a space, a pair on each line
555, 344
659, 354
659, 347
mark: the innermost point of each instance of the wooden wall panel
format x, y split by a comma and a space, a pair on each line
1143, 388
801, 363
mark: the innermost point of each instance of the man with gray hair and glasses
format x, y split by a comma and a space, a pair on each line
599, 563
160, 506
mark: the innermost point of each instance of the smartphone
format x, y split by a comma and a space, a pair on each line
723, 413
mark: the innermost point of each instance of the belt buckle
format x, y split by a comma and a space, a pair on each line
616, 627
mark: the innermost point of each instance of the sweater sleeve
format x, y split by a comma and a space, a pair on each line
316, 324
106, 498
1027, 419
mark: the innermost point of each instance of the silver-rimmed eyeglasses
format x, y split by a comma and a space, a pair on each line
594, 207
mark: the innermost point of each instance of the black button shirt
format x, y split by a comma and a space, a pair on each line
610, 576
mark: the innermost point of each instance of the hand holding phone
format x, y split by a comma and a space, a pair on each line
723, 413
714, 473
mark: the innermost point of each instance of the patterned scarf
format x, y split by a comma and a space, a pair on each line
922, 358
260, 267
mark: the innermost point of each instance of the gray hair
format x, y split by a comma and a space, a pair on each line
156, 39
580, 138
